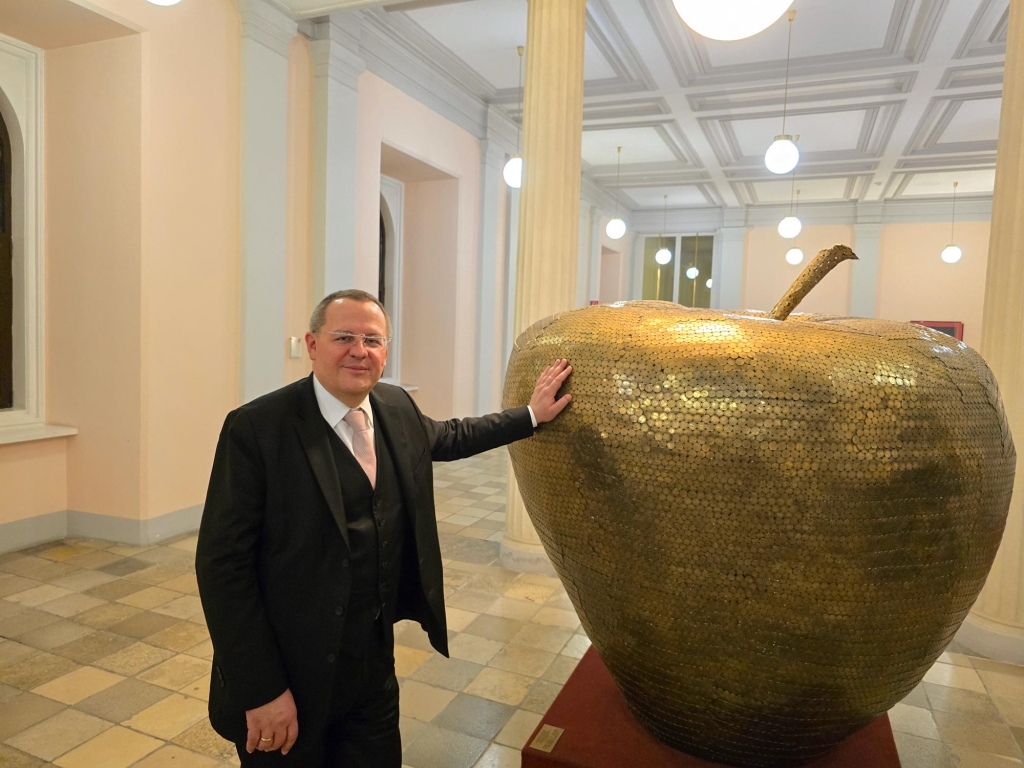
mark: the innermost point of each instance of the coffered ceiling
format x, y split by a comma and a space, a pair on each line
892, 99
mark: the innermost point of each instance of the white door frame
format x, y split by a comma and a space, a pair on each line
392, 193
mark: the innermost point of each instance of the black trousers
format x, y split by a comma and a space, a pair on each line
362, 730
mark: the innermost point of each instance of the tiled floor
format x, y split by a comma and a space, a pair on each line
105, 658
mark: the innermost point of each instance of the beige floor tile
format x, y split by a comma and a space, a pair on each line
956, 659
202, 738
1011, 711
452, 674
44, 593
95, 559
186, 607
982, 736
65, 552
972, 758
79, 581
168, 717
23, 565
545, 638
560, 669
577, 646
134, 659
1002, 686
58, 734
114, 748
126, 550
58, 633
471, 600
114, 589
423, 702
541, 696
186, 545
459, 619
555, 617
913, 720
150, 597
13, 758
80, 684
122, 701
34, 671
106, 615
25, 710
501, 686
533, 593
11, 652
203, 650
498, 756
507, 608
180, 637
12, 585
473, 532
172, 756
955, 677
408, 660
86, 650
185, 584
479, 650
143, 624
71, 605
158, 574
518, 729
176, 672
198, 689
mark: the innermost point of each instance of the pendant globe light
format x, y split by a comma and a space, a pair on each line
513, 171
794, 256
165, 2
730, 19
783, 155
791, 226
951, 254
664, 255
616, 228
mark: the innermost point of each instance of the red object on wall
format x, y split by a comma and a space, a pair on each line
952, 328
600, 732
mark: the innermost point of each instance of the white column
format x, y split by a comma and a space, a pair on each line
594, 237
583, 260
490, 302
337, 67
867, 235
512, 276
266, 34
636, 266
727, 271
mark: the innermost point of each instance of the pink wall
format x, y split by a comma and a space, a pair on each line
386, 115
915, 284
34, 479
767, 275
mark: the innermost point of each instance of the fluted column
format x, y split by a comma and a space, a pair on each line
549, 210
996, 625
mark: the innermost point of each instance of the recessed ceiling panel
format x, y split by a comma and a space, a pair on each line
811, 190
822, 27
975, 120
654, 197
639, 145
486, 33
977, 182
820, 132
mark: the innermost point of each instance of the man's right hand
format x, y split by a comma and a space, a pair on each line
273, 726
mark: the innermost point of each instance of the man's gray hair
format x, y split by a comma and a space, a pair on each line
319, 316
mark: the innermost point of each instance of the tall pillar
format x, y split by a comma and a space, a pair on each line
337, 67
266, 35
549, 210
583, 290
594, 249
492, 277
867, 237
727, 270
995, 627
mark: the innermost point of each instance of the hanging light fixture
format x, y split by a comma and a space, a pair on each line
513, 171
616, 228
730, 19
709, 282
794, 256
791, 226
165, 2
783, 155
951, 254
664, 255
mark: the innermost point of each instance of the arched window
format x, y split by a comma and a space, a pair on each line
6, 273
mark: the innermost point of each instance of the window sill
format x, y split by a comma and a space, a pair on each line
30, 432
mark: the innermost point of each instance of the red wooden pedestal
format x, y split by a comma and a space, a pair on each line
600, 732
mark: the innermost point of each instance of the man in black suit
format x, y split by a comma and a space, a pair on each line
318, 534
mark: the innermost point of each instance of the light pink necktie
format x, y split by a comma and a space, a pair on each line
362, 445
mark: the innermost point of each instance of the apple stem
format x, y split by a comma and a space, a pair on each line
820, 266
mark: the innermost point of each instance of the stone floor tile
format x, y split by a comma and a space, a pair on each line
494, 627
164, 556
498, 756
186, 544
80, 581
440, 748
533, 593
956, 659
58, 734
150, 597
1011, 711
12, 585
411, 635
410, 728
523, 660
459, 619
493, 580
1003, 686
423, 702
469, 550
955, 677
471, 600
501, 686
172, 756
96, 560
203, 650
202, 738
176, 672
35, 596
126, 550
544, 638
913, 720
22, 565
198, 689
474, 716
13, 758
520, 610
134, 659
917, 698
180, 637
64, 552
34, 671
125, 566
80, 684
106, 615
186, 607
11, 652
916, 752
519, 728
186, 584
556, 617
964, 757
459, 520
86, 650
23, 711
116, 747
168, 717
978, 734
123, 700
58, 633
143, 624
408, 660
541, 696
577, 646
452, 674
479, 650
115, 588
71, 605
8, 692
560, 669
988, 665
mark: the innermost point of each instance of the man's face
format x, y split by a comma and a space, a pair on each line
350, 371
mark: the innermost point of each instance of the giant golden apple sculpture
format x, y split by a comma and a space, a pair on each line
770, 526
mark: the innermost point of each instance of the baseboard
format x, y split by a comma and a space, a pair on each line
22, 534
993, 640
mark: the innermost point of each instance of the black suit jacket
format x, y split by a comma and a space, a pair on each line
273, 560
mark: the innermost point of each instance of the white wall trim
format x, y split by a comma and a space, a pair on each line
24, 119
393, 192
267, 25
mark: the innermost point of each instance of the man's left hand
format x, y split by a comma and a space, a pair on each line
545, 406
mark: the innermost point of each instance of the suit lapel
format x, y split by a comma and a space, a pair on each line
392, 428
312, 431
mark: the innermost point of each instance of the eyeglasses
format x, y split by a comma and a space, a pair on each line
349, 339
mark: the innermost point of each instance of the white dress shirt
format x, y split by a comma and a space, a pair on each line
334, 412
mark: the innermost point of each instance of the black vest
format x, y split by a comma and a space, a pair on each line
376, 521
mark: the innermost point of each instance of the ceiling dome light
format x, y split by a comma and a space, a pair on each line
513, 172
794, 256
663, 257
783, 155
616, 228
708, 283
790, 227
165, 2
692, 273
951, 254
730, 19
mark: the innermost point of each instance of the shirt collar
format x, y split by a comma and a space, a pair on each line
333, 410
